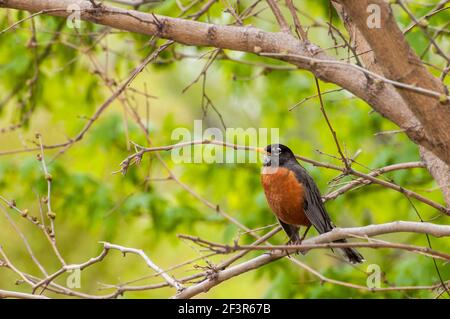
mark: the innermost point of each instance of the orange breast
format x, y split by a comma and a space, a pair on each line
285, 195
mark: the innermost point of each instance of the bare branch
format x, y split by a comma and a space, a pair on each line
25, 241
136, 157
230, 37
170, 280
19, 295
10, 265
409, 87
278, 15
298, 26
333, 132
398, 110
292, 249
405, 66
335, 234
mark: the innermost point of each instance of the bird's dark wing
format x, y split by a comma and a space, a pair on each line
291, 231
313, 206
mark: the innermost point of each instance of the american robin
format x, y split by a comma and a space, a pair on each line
295, 198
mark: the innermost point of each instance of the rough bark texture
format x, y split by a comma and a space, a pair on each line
423, 118
397, 61
439, 170
336, 234
398, 110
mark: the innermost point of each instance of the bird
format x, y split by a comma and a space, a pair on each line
295, 198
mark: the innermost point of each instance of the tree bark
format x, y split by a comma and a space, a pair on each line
405, 108
398, 110
337, 233
397, 61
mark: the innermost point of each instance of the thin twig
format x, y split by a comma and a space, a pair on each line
278, 15
333, 132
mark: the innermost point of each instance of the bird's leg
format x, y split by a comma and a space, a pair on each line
305, 233
298, 241
291, 242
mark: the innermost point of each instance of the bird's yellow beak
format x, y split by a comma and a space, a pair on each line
261, 150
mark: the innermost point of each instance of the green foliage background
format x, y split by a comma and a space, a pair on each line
93, 205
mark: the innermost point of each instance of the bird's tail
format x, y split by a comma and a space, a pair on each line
352, 255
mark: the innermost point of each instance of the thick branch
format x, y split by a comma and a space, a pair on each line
398, 62
246, 39
292, 249
337, 233
439, 170
397, 110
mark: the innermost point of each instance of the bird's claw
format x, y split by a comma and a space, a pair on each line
294, 242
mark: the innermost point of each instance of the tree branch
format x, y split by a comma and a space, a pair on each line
278, 15
124, 250
335, 234
398, 110
135, 158
292, 249
247, 39
398, 61
19, 295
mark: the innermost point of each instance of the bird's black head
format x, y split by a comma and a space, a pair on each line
278, 155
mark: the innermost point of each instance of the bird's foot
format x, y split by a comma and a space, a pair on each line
294, 242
